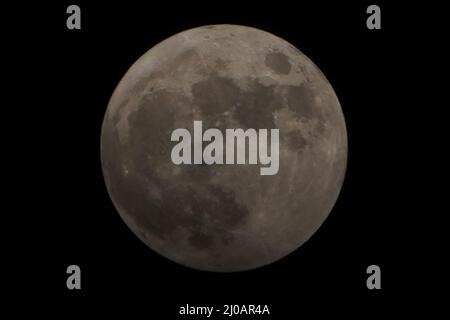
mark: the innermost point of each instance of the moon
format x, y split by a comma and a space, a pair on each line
223, 218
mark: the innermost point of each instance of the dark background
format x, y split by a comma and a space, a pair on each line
391, 212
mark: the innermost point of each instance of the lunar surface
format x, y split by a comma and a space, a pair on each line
216, 217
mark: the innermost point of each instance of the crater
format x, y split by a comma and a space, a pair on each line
278, 62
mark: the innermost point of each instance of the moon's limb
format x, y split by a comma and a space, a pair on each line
223, 217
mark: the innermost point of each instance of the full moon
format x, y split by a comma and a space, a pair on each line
223, 217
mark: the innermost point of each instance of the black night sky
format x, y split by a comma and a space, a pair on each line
390, 211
